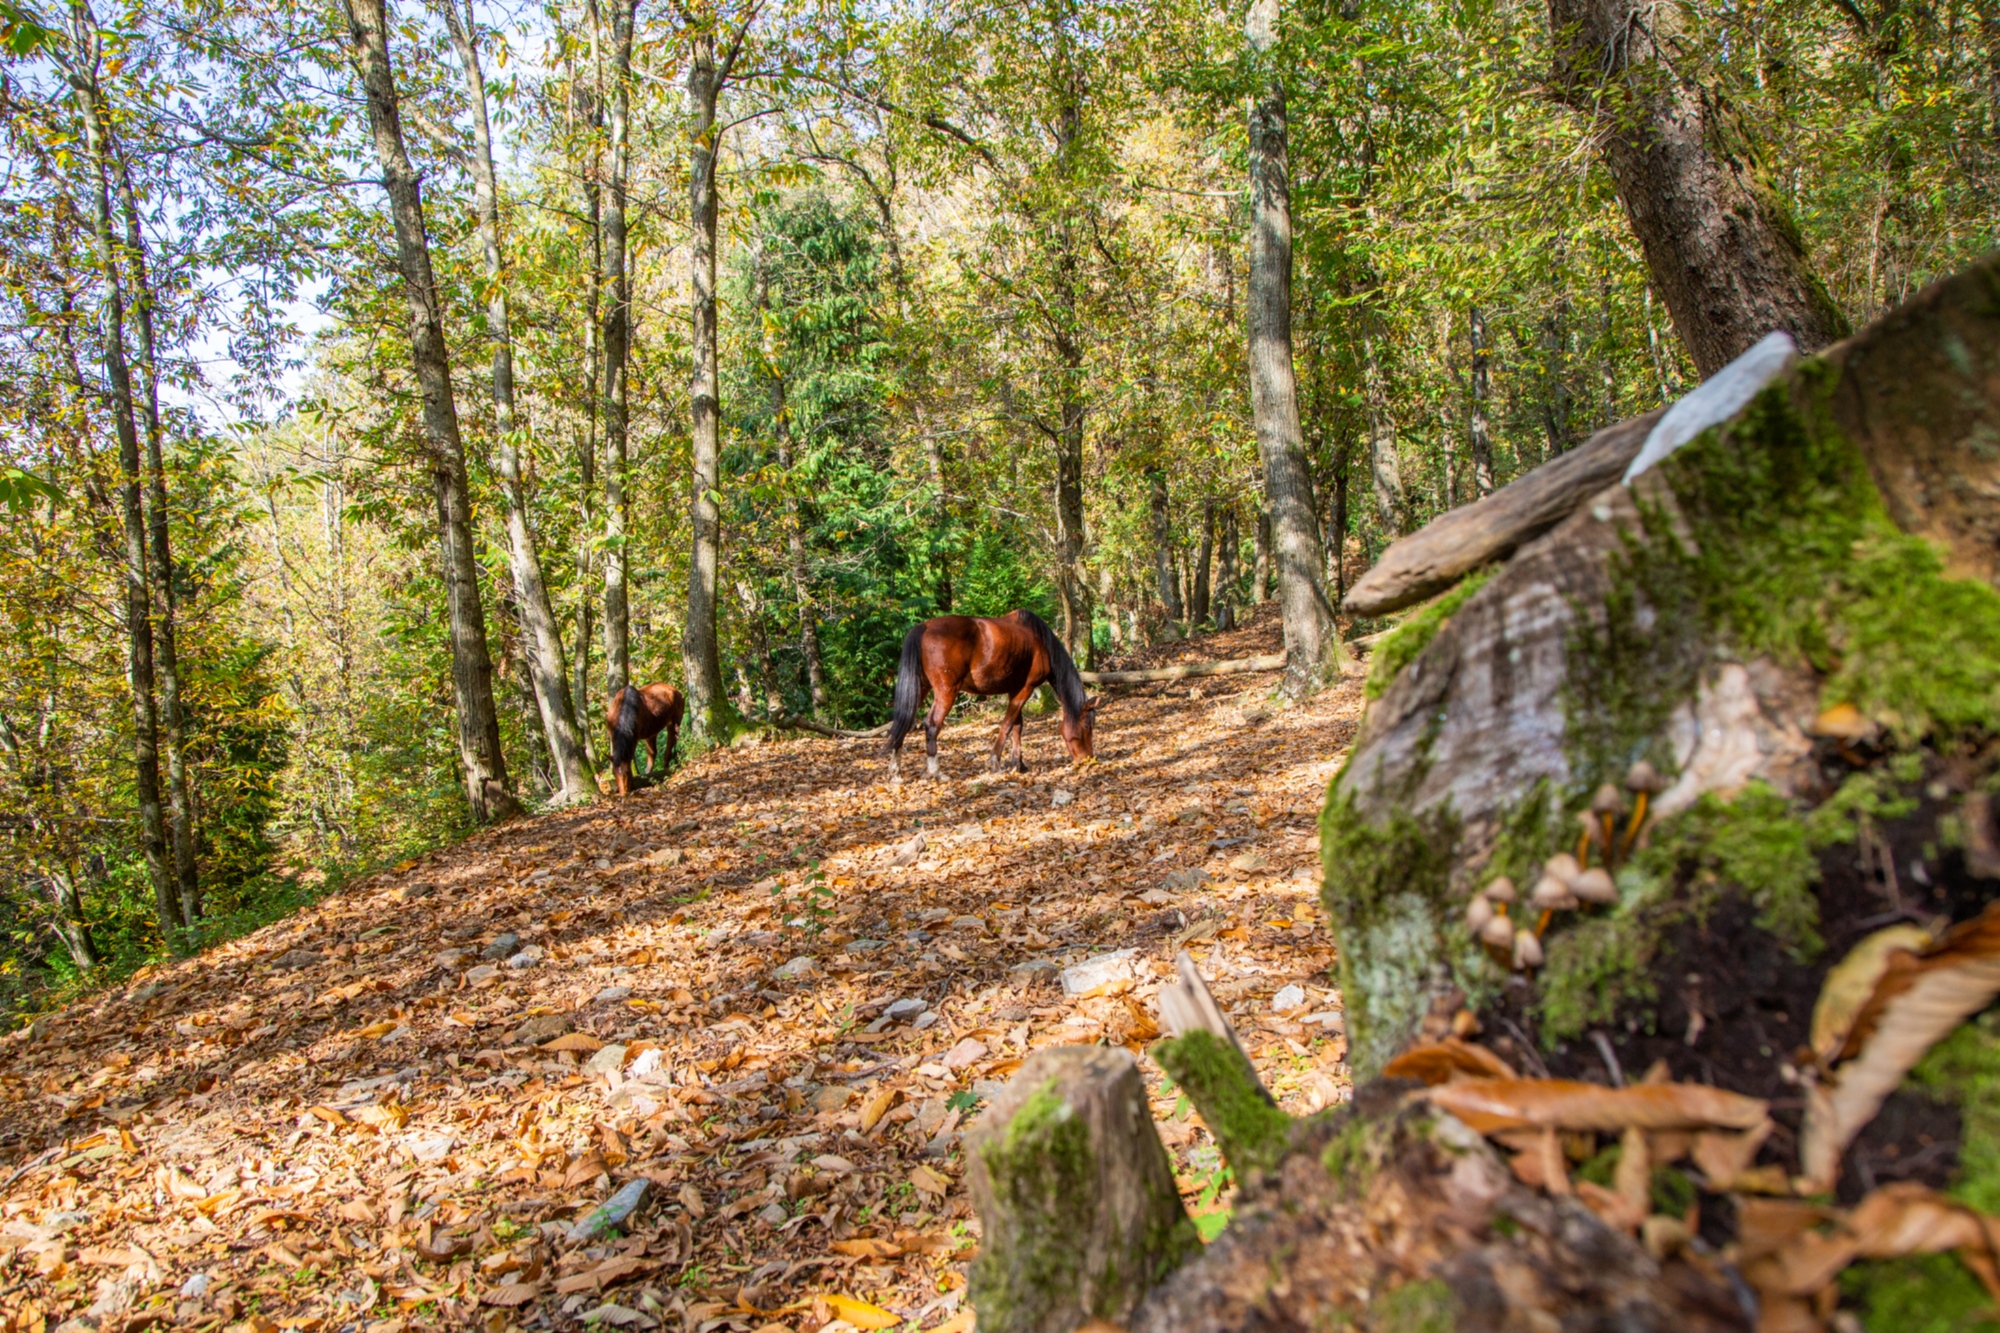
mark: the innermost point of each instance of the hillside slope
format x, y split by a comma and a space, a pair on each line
750, 987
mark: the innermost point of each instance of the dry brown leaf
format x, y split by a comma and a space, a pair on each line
1852, 981
585, 1169
1916, 1003
574, 1041
1491, 1104
511, 1294
1445, 1061
878, 1106
867, 1247
1789, 1257
929, 1181
604, 1274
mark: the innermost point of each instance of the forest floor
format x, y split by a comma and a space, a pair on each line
774, 987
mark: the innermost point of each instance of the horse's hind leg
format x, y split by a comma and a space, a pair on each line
1010, 726
933, 724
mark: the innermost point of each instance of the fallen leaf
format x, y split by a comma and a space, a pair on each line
929, 1181
1851, 982
1492, 1104
878, 1106
574, 1041
860, 1313
512, 1294
867, 1247
1436, 1062
1916, 1002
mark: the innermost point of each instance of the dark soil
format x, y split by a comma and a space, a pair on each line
1734, 1005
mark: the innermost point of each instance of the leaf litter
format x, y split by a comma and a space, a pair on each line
699, 1059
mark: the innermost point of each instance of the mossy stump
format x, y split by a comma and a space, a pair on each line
1075, 1195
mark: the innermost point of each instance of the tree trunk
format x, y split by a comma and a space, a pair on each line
547, 671
708, 702
1478, 428
1198, 608
1163, 544
586, 501
480, 759
1719, 241
617, 337
160, 564
153, 838
1312, 640
1226, 574
1260, 571
1385, 465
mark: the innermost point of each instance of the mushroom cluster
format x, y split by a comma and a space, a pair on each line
1566, 883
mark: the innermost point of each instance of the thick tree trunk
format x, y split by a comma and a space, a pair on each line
1312, 640
1163, 544
1198, 608
548, 673
483, 766
153, 839
1478, 428
160, 562
1721, 245
708, 701
617, 338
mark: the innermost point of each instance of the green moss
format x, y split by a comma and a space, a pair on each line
1356, 1152
1251, 1132
1042, 1172
1758, 842
1387, 892
1415, 1307
1932, 1294
1964, 1069
1593, 970
1416, 632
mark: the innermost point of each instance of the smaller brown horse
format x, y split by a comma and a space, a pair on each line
1011, 655
637, 715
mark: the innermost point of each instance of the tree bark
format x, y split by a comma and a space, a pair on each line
795, 542
1226, 573
1163, 544
547, 671
1260, 571
160, 563
708, 700
1478, 428
1720, 243
617, 340
483, 766
1385, 465
1312, 640
1198, 608
1185, 671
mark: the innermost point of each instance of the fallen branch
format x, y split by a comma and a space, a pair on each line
793, 723
1152, 675
1451, 546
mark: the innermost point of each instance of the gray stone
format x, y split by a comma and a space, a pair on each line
800, 968
925, 1019
196, 1286
1102, 970
904, 1009
545, 1027
1288, 998
503, 946
1059, 797
866, 946
294, 959
607, 1060
450, 959
481, 975
772, 1214
525, 959
612, 994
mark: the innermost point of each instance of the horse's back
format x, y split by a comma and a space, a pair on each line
664, 702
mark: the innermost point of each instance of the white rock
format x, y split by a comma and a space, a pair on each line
903, 1009
611, 994
1099, 971
435, 1148
1061, 797
646, 1063
525, 959
925, 1019
805, 965
1288, 999
608, 1060
196, 1285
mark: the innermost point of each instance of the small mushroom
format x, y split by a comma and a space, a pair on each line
1594, 886
1605, 805
1563, 866
1643, 781
1588, 823
1499, 932
1552, 894
1477, 913
1527, 949
1501, 890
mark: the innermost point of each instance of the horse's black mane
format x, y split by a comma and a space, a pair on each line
1063, 678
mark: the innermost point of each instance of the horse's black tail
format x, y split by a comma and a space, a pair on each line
625, 730
909, 687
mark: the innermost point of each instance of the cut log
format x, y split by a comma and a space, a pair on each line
1185, 671
1432, 559
1077, 1205
791, 722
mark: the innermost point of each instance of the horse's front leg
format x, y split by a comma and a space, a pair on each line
1010, 725
653, 749
933, 724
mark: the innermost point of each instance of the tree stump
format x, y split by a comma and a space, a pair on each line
1076, 1198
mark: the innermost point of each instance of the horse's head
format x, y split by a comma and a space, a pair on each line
1076, 732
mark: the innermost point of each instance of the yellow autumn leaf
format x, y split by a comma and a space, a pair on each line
381, 1029
861, 1314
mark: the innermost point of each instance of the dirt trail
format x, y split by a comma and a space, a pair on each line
773, 988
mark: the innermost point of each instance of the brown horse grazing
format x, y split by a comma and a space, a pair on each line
1011, 655
638, 714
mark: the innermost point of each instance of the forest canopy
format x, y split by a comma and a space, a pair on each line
363, 362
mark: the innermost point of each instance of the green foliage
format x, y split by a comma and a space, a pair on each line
1416, 632
1932, 1293
1964, 1069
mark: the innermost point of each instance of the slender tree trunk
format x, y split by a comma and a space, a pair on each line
1198, 609
795, 518
708, 703
160, 562
117, 373
617, 338
1069, 488
1720, 243
1225, 572
1260, 571
1478, 427
1385, 465
1312, 639
586, 551
547, 672
1163, 544
941, 526
71, 926
1337, 518
483, 765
